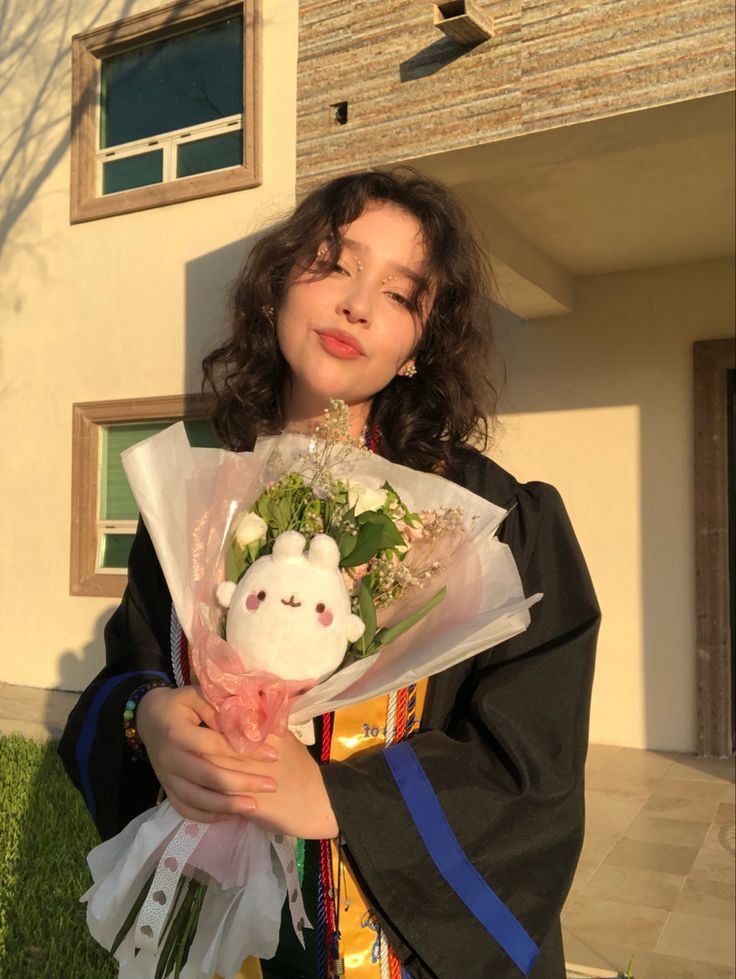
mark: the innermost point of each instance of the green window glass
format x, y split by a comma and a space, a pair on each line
116, 499
133, 171
115, 550
181, 81
211, 153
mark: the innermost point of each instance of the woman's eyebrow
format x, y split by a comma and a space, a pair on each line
403, 269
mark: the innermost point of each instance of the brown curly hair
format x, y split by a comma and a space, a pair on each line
451, 400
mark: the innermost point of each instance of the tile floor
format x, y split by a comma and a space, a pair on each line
655, 882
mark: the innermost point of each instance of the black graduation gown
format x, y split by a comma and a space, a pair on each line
502, 748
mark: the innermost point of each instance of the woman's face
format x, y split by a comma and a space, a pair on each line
346, 334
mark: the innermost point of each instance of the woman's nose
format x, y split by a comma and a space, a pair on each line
356, 304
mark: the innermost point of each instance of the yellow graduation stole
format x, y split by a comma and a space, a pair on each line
354, 728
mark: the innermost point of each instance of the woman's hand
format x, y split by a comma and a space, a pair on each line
202, 776
300, 805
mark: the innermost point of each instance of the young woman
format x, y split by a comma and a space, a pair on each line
374, 291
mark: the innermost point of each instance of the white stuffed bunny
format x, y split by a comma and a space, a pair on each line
290, 612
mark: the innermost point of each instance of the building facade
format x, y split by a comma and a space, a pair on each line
593, 145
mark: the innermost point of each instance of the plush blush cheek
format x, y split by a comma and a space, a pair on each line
252, 602
326, 618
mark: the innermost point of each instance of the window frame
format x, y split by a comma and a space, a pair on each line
88, 51
88, 418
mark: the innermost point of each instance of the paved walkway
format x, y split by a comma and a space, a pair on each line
34, 713
655, 882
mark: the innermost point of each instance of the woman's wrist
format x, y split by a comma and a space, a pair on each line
132, 715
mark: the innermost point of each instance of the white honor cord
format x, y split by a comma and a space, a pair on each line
391, 719
385, 969
175, 636
389, 739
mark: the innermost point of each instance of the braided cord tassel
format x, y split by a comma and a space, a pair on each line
411, 709
390, 719
401, 702
325, 911
175, 634
394, 966
400, 719
184, 657
385, 953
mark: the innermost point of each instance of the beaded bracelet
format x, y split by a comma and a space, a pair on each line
132, 739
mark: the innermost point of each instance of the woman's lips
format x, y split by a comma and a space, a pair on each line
340, 345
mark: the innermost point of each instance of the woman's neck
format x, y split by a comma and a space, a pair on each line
305, 420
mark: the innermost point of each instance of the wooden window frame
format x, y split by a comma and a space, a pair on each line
88, 418
711, 360
90, 48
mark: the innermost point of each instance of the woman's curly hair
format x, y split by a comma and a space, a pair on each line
452, 398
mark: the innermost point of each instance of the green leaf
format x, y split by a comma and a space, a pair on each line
367, 545
367, 614
278, 514
346, 545
261, 507
284, 512
390, 536
254, 550
235, 562
132, 915
386, 636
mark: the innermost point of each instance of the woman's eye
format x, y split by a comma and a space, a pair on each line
401, 300
320, 608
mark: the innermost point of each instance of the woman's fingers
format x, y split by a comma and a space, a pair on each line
199, 815
201, 771
203, 741
192, 698
203, 800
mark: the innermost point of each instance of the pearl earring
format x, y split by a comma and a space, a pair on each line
409, 369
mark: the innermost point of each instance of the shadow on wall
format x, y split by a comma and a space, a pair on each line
208, 280
74, 672
42, 714
34, 43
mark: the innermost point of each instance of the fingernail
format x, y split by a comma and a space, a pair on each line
248, 805
268, 785
268, 753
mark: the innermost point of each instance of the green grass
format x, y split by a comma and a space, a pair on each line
45, 834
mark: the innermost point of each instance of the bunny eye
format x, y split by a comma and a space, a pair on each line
261, 595
320, 608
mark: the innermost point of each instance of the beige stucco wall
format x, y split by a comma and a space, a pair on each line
115, 308
599, 403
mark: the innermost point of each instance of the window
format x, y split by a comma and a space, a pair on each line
104, 513
165, 108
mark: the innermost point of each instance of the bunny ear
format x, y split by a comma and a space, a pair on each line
324, 552
290, 544
225, 592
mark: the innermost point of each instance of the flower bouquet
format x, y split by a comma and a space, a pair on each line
308, 575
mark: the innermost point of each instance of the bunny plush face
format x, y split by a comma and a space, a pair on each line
290, 612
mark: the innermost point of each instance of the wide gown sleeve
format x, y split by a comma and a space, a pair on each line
115, 786
466, 838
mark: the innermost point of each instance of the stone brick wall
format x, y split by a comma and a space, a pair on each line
411, 91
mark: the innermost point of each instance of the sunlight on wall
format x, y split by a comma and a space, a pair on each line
98, 311
584, 452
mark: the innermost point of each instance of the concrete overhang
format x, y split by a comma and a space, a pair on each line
636, 190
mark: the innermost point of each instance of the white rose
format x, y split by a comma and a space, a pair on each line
365, 498
250, 529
